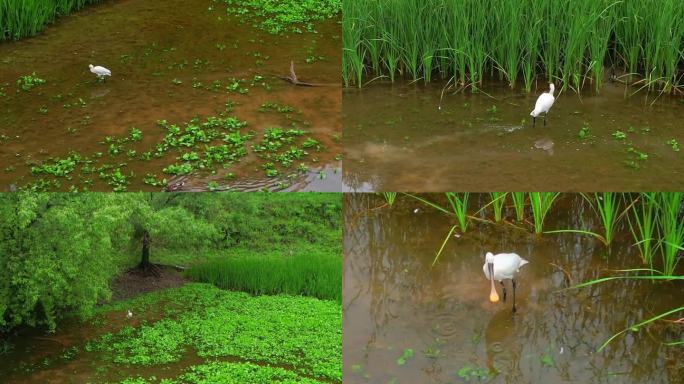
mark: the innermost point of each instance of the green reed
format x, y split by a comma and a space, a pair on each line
469, 40
22, 18
642, 221
353, 49
459, 205
607, 207
519, 205
636, 274
498, 202
540, 203
672, 229
390, 197
307, 274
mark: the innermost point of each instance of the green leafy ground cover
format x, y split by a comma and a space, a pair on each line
278, 16
298, 335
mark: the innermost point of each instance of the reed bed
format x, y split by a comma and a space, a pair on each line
654, 219
307, 274
22, 18
468, 41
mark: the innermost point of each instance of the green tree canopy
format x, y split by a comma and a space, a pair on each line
59, 252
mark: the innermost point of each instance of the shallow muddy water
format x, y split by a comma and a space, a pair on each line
397, 139
407, 322
172, 60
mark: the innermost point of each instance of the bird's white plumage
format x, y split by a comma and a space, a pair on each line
506, 265
544, 102
100, 71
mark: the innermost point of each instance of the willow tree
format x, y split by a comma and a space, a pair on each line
156, 219
57, 252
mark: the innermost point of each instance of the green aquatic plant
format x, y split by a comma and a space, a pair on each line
405, 356
498, 202
390, 197
518, 199
606, 205
472, 373
277, 107
671, 229
653, 276
304, 334
540, 203
459, 206
673, 144
642, 220
547, 360
27, 82
278, 17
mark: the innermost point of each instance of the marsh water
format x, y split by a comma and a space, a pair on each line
173, 60
407, 322
398, 139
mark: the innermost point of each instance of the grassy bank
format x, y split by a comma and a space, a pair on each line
22, 18
515, 41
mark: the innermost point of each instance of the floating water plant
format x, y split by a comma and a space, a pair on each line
28, 82
408, 353
284, 16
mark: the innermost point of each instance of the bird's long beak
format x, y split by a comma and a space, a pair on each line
493, 296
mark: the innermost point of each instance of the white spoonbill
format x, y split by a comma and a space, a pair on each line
544, 103
100, 72
500, 267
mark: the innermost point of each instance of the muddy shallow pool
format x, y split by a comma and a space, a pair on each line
397, 139
407, 322
174, 61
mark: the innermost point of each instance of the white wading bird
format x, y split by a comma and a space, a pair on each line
100, 72
544, 103
500, 267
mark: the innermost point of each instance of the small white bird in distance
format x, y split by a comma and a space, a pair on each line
100, 72
129, 314
544, 103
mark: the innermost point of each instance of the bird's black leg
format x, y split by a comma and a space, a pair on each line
513, 281
534, 121
546, 113
503, 287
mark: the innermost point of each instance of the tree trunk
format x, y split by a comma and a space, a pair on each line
145, 260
